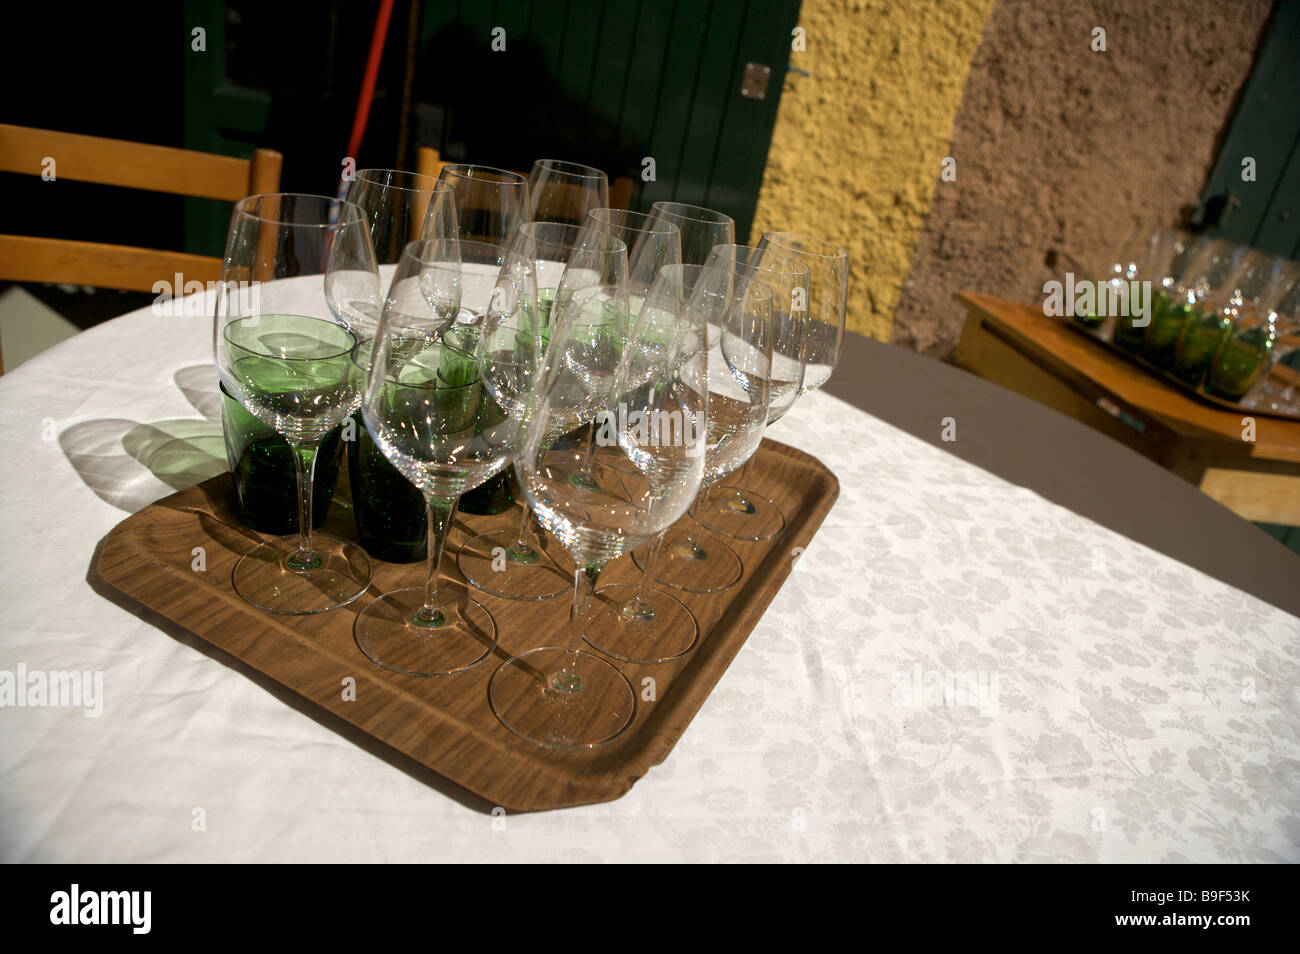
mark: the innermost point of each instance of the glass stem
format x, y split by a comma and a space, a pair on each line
304, 458
589, 451
691, 544
584, 587
638, 607
439, 513
523, 545
651, 558
745, 471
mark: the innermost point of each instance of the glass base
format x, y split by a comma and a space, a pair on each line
640, 624
492, 564
739, 513
562, 698
269, 577
697, 562
393, 634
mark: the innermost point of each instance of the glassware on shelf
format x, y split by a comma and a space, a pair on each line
1256, 327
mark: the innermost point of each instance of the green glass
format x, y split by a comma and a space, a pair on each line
1243, 357
392, 519
262, 470
1128, 336
1088, 320
1091, 322
1169, 315
1201, 336
495, 494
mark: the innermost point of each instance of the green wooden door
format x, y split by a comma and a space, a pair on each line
612, 84
1264, 132
1265, 212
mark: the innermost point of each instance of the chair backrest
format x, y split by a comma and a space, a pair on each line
428, 162
132, 165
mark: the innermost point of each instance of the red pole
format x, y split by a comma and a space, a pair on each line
368, 83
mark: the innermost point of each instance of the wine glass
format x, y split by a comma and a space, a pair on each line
735, 510
490, 203
506, 563
1157, 255
401, 207
284, 353
1284, 375
652, 387
638, 622
745, 514
1185, 302
1257, 326
430, 414
560, 191
1190, 319
738, 320
702, 229
651, 245
828, 293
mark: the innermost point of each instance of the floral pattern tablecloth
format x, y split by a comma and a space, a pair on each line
957, 670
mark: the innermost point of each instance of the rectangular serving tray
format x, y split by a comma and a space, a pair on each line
446, 723
1256, 400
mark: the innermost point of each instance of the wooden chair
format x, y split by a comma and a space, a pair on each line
133, 165
428, 162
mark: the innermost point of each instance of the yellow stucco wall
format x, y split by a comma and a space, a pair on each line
859, 143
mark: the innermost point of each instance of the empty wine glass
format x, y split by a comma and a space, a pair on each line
427, 408
737, 313
651, 245
284, 352
638, 622
401, 207
702, 229
745, 514
828, 294
560, 695
505, 562
736, 510
490, 203
560, 191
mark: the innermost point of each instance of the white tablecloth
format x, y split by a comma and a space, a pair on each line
1121, 706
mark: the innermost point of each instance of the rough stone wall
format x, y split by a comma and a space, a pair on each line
859, 142
1062, 149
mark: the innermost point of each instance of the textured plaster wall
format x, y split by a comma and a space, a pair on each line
1063, 150
859, 143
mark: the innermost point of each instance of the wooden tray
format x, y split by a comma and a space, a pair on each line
446, 723
1255, 400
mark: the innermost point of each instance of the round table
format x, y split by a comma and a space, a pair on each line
959, 669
